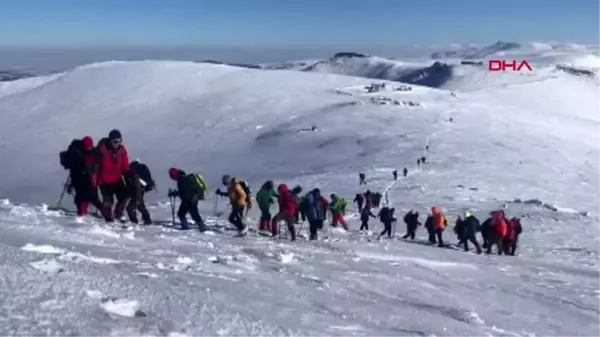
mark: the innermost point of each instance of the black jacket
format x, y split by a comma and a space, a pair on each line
412, 219
386, 215
365, 214
132, 179
470, 226
486, 228
429, 223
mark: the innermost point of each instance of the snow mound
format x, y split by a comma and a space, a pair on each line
79, 257
48, 266
43, 249
121, 307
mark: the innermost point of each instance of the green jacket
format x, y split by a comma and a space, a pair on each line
266, 197
338, 206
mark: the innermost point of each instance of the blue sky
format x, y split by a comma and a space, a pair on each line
293, 23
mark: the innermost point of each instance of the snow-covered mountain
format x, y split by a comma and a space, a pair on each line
510, 139
448, 68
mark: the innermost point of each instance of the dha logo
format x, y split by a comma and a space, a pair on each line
502, 65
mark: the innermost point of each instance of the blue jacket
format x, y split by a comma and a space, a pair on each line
315, 209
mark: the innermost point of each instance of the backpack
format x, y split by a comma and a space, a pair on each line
200, 181
144, 174
246, 188
67, 156
384, 214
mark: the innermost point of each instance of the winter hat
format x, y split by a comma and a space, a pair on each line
87, 142
225, 179
174, 173
114, 134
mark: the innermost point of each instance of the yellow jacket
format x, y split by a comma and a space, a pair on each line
236, 193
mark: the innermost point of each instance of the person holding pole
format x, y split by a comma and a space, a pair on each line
190, 189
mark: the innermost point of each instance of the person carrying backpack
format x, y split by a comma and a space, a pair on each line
386, 216
113, 164
470, 226
361, 179
287, 211
498, 232
411, 219
316, 211
439, 224
338, 209
265, 198
239, 199
139, 181
359, 199
365, 214
81, 159
190, 189
511, 239
300, 204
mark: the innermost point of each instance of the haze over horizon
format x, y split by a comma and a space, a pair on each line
65, 33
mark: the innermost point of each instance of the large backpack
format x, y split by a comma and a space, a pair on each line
200, 181
68, 156
144, 174
385, 214
246, 188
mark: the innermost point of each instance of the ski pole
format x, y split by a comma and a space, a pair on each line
172, 202
62, 194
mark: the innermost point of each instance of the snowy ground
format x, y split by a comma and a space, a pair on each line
538, 140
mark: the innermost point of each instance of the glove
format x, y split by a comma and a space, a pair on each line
218, 191
173, 193
70, 189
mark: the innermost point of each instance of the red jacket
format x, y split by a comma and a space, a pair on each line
511, 229
112, 164
90, 160
287, 201
499, 223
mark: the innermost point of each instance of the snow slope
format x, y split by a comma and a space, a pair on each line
65, 275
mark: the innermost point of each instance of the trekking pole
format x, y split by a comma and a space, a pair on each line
172, 202
62, 194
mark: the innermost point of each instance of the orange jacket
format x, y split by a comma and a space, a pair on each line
438, 218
